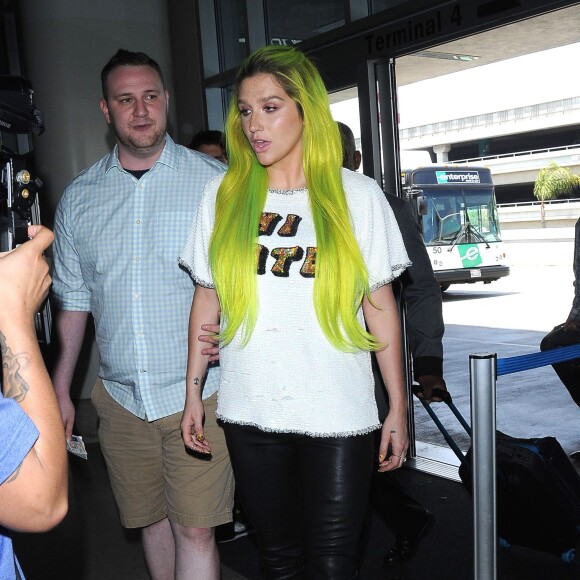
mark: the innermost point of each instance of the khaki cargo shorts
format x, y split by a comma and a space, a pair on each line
152, 473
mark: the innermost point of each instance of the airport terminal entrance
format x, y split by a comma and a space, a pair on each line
388, 102
389, 66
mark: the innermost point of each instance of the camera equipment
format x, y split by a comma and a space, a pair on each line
17, 111
18, 201
19, 206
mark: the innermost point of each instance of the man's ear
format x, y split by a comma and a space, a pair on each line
105, 110
357, 160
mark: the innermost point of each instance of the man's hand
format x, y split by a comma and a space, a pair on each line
572, 324
70, 329
213, 351
24, 277
67, 412
428, 383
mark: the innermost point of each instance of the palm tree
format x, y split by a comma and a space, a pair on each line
554, 181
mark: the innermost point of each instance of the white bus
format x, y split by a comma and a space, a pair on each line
457, 212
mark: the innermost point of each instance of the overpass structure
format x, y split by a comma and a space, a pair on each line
529, 138
523, 166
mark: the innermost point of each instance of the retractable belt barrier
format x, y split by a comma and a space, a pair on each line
484, 369
515, 364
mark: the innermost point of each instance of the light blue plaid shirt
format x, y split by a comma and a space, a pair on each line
117, 242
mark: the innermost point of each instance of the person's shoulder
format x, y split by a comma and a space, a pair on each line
214, 183
395, 200
360, 189
87, 177
358, 183
96, 169
352, 179
200, 159
210, 189
398, 204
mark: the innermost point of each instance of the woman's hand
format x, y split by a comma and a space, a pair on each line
192, 426
394, 442
24, 277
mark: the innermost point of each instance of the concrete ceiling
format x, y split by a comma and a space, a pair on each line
551, 30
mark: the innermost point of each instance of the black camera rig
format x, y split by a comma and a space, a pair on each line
17, 111
19, 205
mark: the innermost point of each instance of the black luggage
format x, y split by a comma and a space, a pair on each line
537, 490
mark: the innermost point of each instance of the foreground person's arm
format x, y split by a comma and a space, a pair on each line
34, 496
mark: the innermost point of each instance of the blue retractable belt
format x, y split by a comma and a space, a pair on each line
515, 364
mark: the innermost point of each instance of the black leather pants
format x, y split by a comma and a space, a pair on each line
306, 497
400, 512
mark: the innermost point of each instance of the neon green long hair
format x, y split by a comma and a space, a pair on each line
341, 279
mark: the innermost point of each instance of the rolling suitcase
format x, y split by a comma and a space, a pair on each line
538, 489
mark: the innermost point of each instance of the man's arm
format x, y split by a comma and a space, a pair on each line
573, 320
422, 296
34, 497
70, 330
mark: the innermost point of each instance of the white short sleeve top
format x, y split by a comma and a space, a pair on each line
289, 378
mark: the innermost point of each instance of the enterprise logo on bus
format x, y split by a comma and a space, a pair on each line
457, 176
470, 255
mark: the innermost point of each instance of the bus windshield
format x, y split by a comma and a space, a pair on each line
459, 216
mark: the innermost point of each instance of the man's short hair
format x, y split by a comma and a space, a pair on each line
348, 146
127, 58
210, 137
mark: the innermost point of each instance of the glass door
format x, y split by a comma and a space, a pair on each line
432, 105
373, 121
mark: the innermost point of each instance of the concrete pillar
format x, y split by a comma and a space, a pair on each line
484, 147
442, 153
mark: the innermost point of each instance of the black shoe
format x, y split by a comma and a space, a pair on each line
405, 547
575, 456
232, 531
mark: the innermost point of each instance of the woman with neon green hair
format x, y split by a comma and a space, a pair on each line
298, 255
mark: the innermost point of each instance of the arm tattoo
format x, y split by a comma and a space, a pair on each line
15, 387
196, 381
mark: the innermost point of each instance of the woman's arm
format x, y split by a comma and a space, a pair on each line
204, 310
382, 320
34, 498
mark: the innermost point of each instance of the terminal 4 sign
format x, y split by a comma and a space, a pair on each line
445, 20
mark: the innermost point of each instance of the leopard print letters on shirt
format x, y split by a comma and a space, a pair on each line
284, 256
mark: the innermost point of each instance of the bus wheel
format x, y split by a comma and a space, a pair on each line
444, 287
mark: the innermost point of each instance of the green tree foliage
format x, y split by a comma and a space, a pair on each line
554, 181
